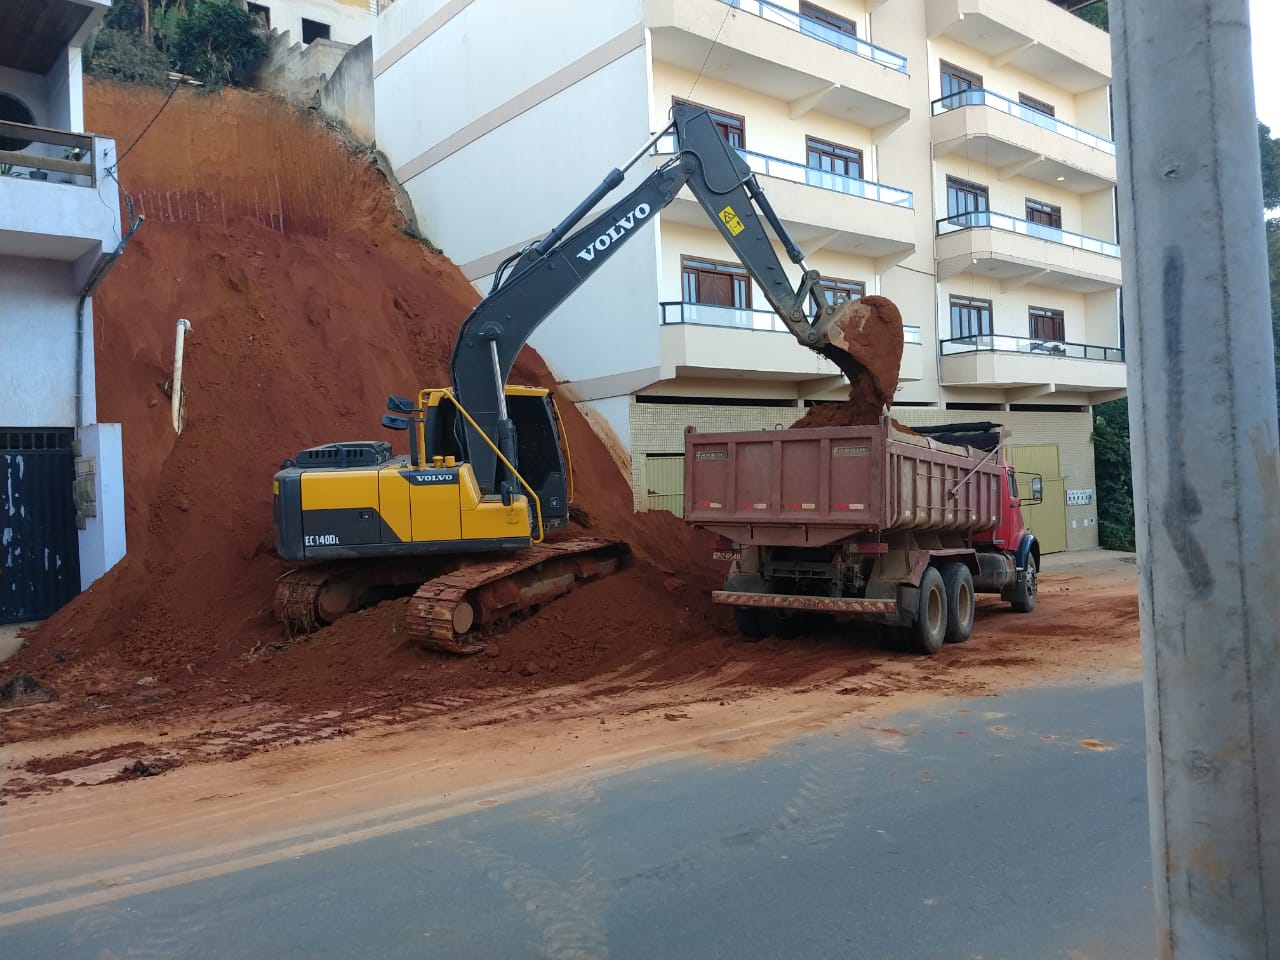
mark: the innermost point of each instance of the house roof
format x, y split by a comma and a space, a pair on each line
34, 33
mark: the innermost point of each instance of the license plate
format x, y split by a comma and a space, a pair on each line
726, 554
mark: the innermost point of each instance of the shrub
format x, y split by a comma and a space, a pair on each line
1113, 473
127, 57
218, 42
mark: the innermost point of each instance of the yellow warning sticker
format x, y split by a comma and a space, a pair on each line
731, 221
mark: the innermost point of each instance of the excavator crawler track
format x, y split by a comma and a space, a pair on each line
453, 611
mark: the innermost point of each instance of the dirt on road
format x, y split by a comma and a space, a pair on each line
1085, 625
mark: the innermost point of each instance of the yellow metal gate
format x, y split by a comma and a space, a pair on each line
1047, 520
663, 479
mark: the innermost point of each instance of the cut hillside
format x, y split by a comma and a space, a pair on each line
309, 305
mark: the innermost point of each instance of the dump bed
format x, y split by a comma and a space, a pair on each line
811, 487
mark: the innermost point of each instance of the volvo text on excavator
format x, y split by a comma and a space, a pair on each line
461, 520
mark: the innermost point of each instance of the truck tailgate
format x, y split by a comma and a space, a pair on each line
812, 487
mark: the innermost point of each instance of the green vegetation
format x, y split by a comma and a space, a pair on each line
216, 41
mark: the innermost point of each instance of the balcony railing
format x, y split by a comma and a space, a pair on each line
815, 28
799, 173
977, 97
998, 343
736, 318
1000, 221
37, 166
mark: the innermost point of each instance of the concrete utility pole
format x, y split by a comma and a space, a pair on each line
1206, 470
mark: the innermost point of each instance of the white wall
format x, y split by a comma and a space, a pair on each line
349, 20
37, 343
102, 541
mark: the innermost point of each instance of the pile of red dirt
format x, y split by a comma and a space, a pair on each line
309, 305
870, 331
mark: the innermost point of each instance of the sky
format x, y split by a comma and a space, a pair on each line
1264, 23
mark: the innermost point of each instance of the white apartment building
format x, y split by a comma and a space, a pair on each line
953, 155
61, 472
341, 21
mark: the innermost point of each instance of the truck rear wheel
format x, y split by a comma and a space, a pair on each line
750, 624
1023, 595
930, 629
957, 581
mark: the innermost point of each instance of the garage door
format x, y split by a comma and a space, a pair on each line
39, 549
663, 479
1047, 520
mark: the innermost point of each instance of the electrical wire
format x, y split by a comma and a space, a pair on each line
139, 137
711, 49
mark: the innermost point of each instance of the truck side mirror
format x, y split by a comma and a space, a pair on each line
1037, 491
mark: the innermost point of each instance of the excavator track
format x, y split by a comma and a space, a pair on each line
312, 597
452, 611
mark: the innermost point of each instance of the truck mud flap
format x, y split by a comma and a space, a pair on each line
883, 608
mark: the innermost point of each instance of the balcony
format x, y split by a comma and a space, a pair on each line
767, 48
1013, 253
984, 127
1031, 368
56, 201
821, 211
1034, 36
702, 340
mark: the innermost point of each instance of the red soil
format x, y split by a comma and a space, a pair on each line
309, 306
870, 330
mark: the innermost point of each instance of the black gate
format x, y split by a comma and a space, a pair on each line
39, 551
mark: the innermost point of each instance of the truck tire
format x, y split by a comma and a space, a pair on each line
750, 624
930, 629
1023, 595
957, 581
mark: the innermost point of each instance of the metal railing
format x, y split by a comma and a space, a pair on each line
980, 97
999, 343
738, 318
811, 176
1000, 221
793, 20
37, 165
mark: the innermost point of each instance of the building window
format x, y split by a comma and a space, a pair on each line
731, 126
1037, 105
314, 30
970, 317
964, 197
715, 283
1045, 214
833, 158
957, 79
834, 21
1047, 324
263, 13
838, 291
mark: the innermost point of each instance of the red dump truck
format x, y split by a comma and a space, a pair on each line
897, 527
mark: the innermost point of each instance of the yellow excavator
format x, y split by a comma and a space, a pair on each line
460, 522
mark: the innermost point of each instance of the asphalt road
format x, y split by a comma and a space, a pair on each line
1000, 827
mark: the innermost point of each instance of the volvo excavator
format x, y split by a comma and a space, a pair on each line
460, 521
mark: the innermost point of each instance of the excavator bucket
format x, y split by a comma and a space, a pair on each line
864, 339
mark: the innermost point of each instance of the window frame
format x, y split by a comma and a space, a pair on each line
724, 120
961, 187
1036, 104
262, 12
316, 35
838, 284
1034, 208
836, 151
983, 309
696, 266
1056, 318
946, 69
828, 18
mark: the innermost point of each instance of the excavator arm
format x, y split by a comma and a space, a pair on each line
532, 283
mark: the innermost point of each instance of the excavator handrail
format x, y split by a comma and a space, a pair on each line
537, 503
568, 454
